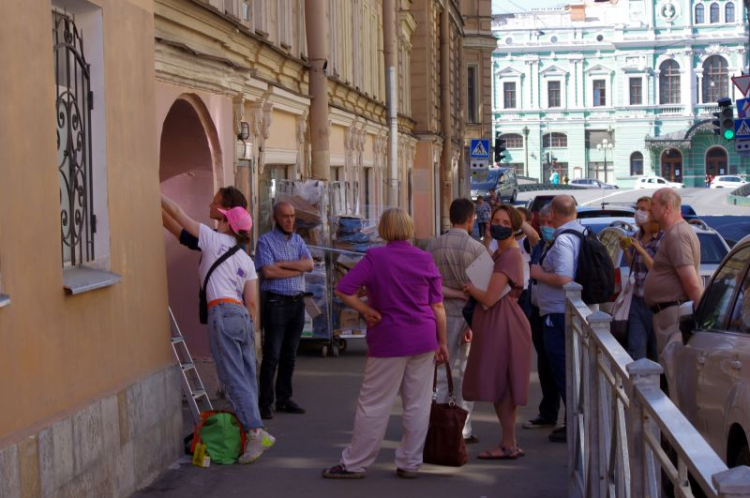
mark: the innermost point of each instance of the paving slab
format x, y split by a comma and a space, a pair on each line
328, 389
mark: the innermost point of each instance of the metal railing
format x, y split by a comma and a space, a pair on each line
619, 422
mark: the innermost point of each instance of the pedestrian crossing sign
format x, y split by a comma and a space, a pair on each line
480, 148
741, 128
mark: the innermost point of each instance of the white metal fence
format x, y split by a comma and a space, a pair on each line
618, 418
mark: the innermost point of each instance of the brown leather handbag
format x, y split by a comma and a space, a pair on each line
445, 441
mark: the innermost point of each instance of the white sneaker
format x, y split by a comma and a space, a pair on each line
256, 444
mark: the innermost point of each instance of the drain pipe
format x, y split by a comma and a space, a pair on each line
446, 172
391, 85
315, 15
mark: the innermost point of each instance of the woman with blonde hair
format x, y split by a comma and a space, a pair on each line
499, 362
406, 333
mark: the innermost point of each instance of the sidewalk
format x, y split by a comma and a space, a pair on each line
328, 389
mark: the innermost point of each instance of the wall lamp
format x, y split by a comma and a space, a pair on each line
244, 133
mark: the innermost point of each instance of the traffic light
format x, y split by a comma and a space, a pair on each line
723, 125
499, 148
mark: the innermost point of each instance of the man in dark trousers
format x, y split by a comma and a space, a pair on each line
281, 259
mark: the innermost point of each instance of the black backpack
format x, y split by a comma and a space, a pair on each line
595, 272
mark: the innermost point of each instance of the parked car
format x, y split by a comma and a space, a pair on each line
597, 219
708, 372
656, 182
536, 204
591, 183
713, 248
728, 181
503, 180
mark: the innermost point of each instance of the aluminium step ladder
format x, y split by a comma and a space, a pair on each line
192, 385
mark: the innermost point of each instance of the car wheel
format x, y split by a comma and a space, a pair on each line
513, 197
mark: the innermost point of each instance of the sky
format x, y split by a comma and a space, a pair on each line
506, 6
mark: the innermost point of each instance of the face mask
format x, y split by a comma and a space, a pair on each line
642, 217
548, 233
500, 233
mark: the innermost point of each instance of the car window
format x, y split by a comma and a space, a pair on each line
719, 296
739, 321
661, 181
713, 250
650, 180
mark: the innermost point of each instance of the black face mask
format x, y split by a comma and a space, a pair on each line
500, 232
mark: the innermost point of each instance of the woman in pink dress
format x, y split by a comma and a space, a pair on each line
499, 362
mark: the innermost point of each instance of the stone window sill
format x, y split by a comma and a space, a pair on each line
81, 279
4, 300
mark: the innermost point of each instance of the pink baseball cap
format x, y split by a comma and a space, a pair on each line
239, 219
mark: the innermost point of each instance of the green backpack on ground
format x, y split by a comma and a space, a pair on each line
222, 433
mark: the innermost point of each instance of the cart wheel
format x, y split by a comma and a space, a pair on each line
324, 351
335, 351
342, 345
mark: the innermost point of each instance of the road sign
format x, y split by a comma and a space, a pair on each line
742, 128
480, 148
742, 82
477, 164
743, 108
742, 146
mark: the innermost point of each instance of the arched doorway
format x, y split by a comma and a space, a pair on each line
716, 161
187, 159
671, 165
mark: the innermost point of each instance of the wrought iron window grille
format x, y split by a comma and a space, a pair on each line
74, 103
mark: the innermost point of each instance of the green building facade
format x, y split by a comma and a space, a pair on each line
618, 89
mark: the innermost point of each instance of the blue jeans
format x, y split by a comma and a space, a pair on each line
283, 320
554, 346
232, 341
641, 336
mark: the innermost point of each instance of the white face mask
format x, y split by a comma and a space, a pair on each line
642, 217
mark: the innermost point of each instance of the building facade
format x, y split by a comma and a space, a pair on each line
91, 393
618, 89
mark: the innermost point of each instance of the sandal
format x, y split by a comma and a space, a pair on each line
501, 453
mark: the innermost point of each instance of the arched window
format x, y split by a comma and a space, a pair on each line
669, 82
512, 140
700, 14
555, 140
714, 13
715, 79
636, 164
729, 12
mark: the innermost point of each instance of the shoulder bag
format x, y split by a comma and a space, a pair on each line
202, 303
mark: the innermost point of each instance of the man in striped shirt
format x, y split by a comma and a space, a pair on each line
281, 259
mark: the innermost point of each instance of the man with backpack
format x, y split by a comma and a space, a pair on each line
557, 269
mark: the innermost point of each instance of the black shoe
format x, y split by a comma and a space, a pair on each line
559, 435
290, 407
265, 412
471, 439
539, 423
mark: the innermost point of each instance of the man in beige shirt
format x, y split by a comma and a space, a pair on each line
674, 277
453, 252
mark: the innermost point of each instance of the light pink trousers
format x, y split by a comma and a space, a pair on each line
411, 376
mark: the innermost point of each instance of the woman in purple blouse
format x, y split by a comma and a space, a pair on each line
405, 336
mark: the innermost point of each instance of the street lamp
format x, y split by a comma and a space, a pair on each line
604, 147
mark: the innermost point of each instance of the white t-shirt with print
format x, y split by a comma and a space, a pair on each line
228, 279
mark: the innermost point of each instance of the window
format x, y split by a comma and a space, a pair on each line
555, 140
600, 93
636, 164
553, 94
512, 140
700, 14
729, 13
74, 103
715, 78
471, 88
669, 82
246, 12
714, 13
509, 95
718, 303
636, 91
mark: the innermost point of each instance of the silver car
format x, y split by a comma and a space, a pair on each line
708, 372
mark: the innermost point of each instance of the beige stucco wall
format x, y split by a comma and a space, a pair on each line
61, 352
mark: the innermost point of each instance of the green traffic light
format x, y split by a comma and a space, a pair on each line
729, 134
